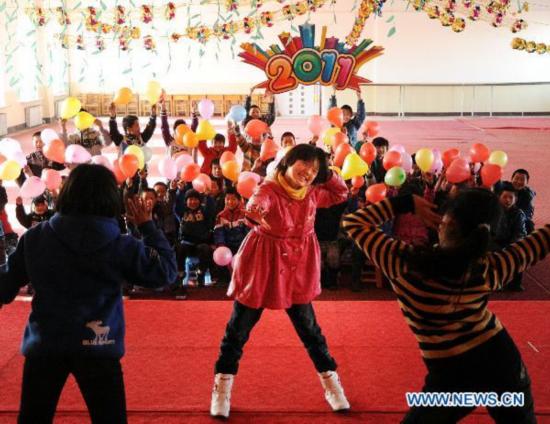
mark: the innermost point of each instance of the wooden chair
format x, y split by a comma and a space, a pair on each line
144, 108
181, 105
133, 107
232, 100
168, 104
194, 99
93, 103
106, 100
219, 108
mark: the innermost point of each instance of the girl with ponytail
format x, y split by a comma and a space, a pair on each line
443, 293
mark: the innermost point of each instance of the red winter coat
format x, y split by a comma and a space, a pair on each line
209, 153
279, 267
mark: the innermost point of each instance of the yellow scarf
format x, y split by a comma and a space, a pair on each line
296, 194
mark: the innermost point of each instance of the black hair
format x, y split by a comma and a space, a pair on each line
219, 137
474, 211
306, 153
288, 134
380, 142
215, 162
233, 191
179, 122
149, 190
160, 183
348, 108
128, 121
506, 186
193, 193
253, 106
521, 171
89, 190
37, 134
39, 199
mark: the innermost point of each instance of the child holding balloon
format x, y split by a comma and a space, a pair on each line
93, 140
169, 139
36, 160
277, 267
219, 147
351, 122
132, 130
254, 112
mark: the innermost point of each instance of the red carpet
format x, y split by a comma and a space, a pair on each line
172, 347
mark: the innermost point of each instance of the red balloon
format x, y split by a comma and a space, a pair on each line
129, 165
340, 154
335, 116
479, 153
226, 157
376, 193
246, 187
368, 152
449, 156
255, 128
339, 138
372, 128
268, 150
392, 158
357, 182
120, 177
458, 171
190, 172
490, 174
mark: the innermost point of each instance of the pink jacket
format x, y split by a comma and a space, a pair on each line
279, 267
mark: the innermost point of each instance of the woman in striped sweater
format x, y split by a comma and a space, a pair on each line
443, 293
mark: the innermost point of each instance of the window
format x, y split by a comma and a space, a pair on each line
26, 59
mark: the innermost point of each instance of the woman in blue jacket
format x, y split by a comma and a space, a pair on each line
77, 262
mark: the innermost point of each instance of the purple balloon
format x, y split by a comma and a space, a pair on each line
206, 108
406, 162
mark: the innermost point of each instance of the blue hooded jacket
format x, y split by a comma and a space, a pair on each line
77, 265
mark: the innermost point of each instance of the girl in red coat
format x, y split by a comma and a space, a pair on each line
278, 267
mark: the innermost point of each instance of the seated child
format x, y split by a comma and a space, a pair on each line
40, 212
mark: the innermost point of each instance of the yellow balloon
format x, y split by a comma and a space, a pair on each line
205, 130
424, 159
354, 166
123, 97
153, 92
9, 170
70, 107
138, 153
328, 134
83, 120
498, 157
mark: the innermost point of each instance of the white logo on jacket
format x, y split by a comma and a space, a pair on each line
101, 334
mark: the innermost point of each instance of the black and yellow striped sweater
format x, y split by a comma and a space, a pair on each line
446, 319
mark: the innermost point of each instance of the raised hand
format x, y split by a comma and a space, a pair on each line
138, 211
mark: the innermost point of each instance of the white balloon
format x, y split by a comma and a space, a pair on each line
32, 187
48, 135
183, 159
75, 153
9, 146
20, 158
147, 153
270, 171
168, 168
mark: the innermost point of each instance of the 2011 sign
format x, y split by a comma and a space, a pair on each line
308, 66
299, 62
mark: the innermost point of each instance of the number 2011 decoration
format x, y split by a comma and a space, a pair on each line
302, 63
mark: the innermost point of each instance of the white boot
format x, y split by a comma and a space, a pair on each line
221, 395
334, 392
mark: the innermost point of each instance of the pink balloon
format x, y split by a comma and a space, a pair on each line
222, 256
20, 158
75, 153
437, 154
247, 174
206, 108
168, 168
103, 161
314, 124
437, 166
32, 187
406, 162
398, 148
51, 178
202, 183
183, 159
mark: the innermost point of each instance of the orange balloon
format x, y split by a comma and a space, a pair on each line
190, 172
335, 116
357, 182
376, 193
129, 164
391, 159
268, 150
490, 174
340, 154
368, 152
120, 177
2, 158
231, 169
55, 150
246, 187
178, 139
372, 128
479, 153
190, 139
449, 156
339, 138
255, 128
182, 129
226, 157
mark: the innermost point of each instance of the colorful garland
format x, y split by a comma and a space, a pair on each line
365, 10
530, 46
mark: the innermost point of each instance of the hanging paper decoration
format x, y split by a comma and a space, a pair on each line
231, 5
123, 43
530, 46
170, 11
248, 24
149, 43
366, 8
519, 25
100, 44
299, 61
267, 19
80, 43
146, 14
38, 16
62, 16
175, 37
120, 15
91, 19
64, 41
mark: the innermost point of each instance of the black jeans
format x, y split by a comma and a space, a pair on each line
243, 319
495, 366
99, 379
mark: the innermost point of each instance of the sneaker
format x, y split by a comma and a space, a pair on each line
334, 392
221, 395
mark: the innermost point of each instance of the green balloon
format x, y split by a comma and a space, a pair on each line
395, 177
